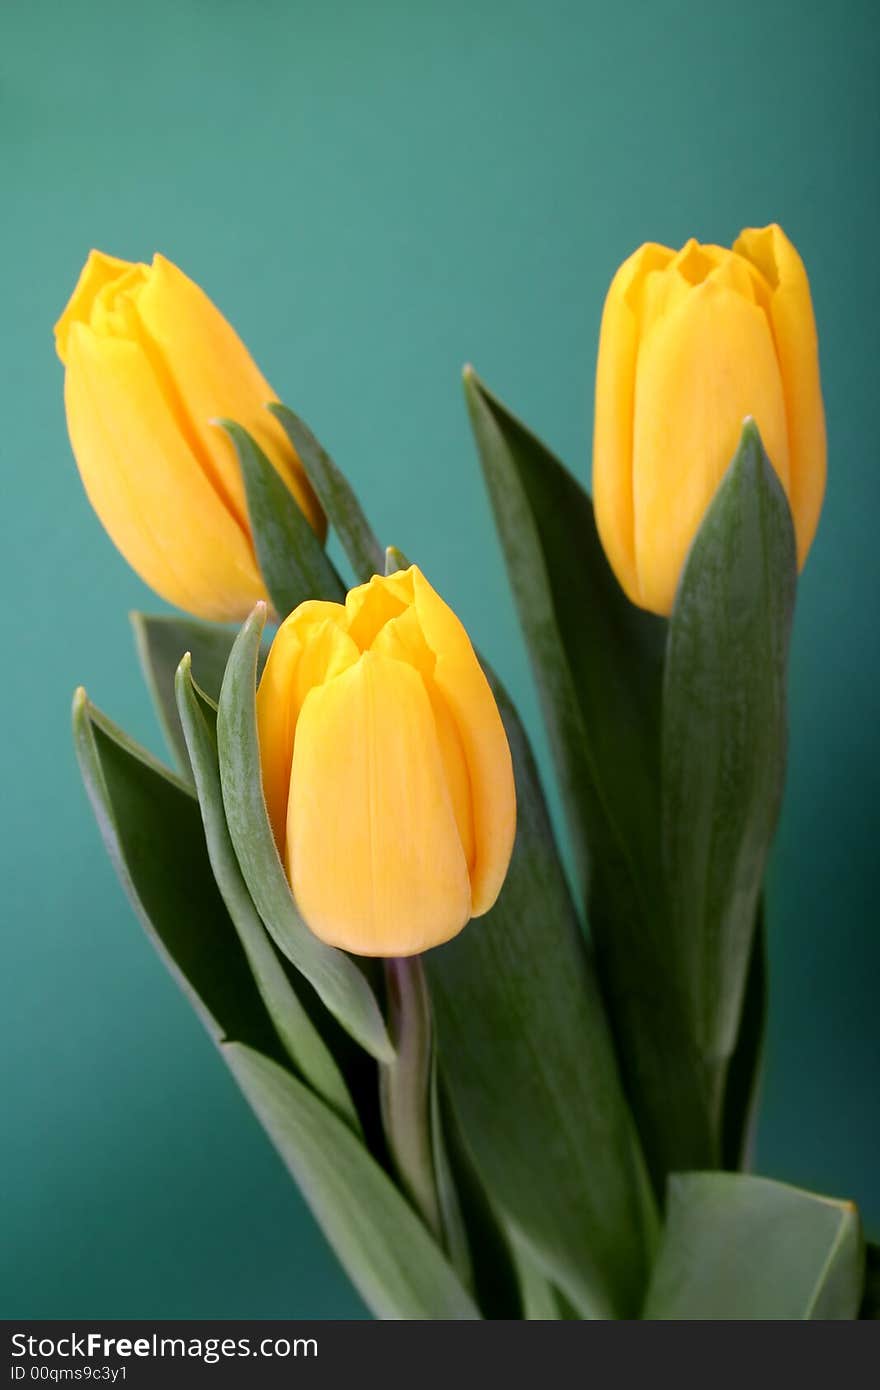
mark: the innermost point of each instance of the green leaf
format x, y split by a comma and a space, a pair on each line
152, 829
161, 641
744, 1070
389, 1255
334, 976
598, 666
478, 1246
336, 496
304, 1044
292, 560
724, 736
452, 1223
395, 560
741, 1247
540, 1299
525, 1051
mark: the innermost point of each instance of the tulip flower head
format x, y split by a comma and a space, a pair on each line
693, 342
386, 768
150, 363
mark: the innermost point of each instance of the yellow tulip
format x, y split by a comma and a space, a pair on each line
150, 363
691, 343
386, 768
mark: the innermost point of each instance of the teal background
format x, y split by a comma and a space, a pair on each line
375, 193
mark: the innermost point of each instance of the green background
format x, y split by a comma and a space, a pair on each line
375, 193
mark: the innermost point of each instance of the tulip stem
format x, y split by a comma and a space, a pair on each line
406, 1086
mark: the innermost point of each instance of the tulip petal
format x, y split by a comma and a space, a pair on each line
147, 487
403, 639
309, 648
613, 417
214, 375
701, 371
459, 679
99, 271
370, 606
794, 328
374, 856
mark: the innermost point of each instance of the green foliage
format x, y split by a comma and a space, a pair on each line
737, 1246
292, 560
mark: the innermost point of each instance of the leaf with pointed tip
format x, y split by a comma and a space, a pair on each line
334, 976
598, 666
152, 829
303, 1042
387, 1252
336, 496
740, 1247
293, 562
724, 738
395, 560
526, 1054
161, 641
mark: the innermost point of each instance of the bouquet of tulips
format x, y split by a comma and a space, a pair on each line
543, 1112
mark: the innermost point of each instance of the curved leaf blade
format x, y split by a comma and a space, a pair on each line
336, 979
474, 1238
405, 1088
161, 640
336, 495
304, 1044
526, 1053
389, 1255
292, 560
724, 738
743, 1079
152, 829
742, 1247
597, 662
597, 659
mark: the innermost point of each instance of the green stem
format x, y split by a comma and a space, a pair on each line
405, 1087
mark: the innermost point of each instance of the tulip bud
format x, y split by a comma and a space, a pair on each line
386, 768
150, 364
691, 343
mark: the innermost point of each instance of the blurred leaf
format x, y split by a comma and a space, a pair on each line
744, 1070
161, 641
152, 829
525, 1051
303, 1042
395, 560
741, 1247
724, 735
336, 496
478, 1246
389, 1255
598, 665
540, 1300
292, 560
337, 980
597, 659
